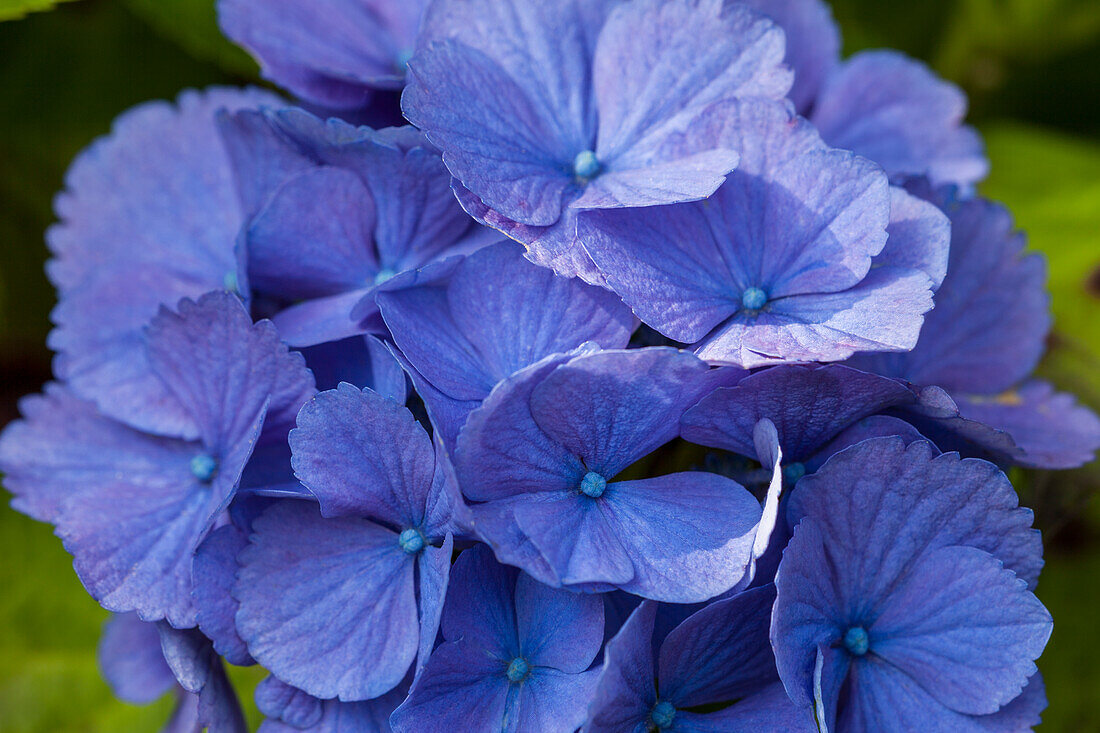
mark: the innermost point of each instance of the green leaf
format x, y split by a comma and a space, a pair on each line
193, 25
11, 9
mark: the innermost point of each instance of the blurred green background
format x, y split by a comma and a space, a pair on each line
1031, 67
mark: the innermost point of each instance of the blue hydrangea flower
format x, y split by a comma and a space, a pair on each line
979, 347
132, 507
546, 109
149, 216
374, 559
337, 211
141, 662
464, 326
717, 657
516, 655
333, 53
788, 261
904, 594
540, 458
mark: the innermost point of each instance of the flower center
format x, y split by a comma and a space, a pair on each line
857, 641
204, 467
402, 60
585, 165
383, 276
663, 714
411, 541
593, 484
518, 669
793, 471
753, 299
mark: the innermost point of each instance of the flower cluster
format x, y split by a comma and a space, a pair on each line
659, 376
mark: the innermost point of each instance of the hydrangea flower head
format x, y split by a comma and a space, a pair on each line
545, 109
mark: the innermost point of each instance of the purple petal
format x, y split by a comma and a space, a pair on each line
200, 671
813, 44
365, 362
214, 572
876, 426
313, 238
481, 608
551, 700
689, 535
461, 688
558, 628
964, 628
767, 711
991, 318
611, 408
149, 215
917, 237
719, 653
321, 320
434, 565
63, 446
131, 660
1049, 427
895, 111
626, 689
882, 313
909, 493
332, 52
276, 699
223, 369
368, 716
658, 67
364, 455
320, 597
808, 406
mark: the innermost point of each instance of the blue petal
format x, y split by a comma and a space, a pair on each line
991, 318
328, 605
808, 406
557, 628
1049, 427
895, 111
362, 361
364, 455
331, 52
131, 660
813, 44
626, 690
435, 567
214, 571
719, 653
63, 445
276, 699
481, 608
200, 672
964, 628
149, 216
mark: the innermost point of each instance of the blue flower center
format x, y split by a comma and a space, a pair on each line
793, 471
663, 714
383, 276
585, 165
204, 467
753, 299
230, 282
593, 484
518, 669
411, 541
857, 641
402, 60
